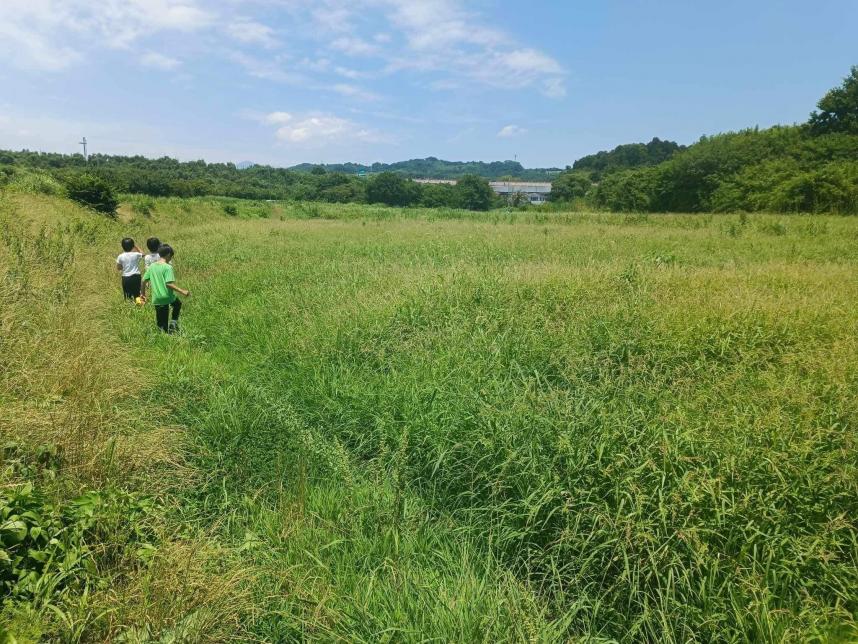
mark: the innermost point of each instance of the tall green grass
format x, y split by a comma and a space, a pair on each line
389, 425
525, 426
87, 551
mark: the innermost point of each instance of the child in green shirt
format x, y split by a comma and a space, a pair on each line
162, 280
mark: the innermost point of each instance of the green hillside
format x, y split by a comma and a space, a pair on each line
810, 168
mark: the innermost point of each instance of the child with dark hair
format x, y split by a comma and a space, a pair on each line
152, 244
162, 280
128, 263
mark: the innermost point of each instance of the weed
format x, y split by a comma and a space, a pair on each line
775, 228
471, 430
142, 205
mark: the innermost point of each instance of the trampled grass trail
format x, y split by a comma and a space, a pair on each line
520, 427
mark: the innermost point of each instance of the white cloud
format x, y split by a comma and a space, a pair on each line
333, 18
29, 50
121, 22
354, 46
252, 32
442, 36
434, 24
448, 39
273, 68
50, 35
154, 59
509, 131
319, 129
277, 118
351, 74
352, 91
529, 61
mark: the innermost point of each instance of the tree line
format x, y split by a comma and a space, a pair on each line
433, 168
97, 183
811, 167
167, 177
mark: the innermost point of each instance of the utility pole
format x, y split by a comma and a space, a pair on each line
85, 157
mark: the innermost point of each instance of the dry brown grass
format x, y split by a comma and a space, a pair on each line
69, 382
191, 591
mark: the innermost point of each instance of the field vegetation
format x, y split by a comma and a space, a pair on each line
810, 168
392, 424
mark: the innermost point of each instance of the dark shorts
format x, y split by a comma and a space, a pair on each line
131, 286
162, 315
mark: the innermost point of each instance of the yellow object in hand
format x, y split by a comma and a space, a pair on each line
139, 300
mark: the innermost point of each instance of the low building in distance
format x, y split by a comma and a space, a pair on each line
536, 192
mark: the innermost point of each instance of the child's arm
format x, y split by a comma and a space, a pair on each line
181, 291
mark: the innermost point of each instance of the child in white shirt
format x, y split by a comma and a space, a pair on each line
128, 263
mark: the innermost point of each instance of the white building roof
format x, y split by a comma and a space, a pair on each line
534, 187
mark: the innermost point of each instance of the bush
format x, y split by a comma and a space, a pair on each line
349, 191
392, 189
93, 192
436, 195
831, 188
782, 185
142, 204
627, 191
257, 209
230, 209
473, 193
782, 169
570, 185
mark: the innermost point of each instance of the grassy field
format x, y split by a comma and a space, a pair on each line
385, 425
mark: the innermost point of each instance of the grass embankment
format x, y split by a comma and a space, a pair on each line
88, 469
515, 427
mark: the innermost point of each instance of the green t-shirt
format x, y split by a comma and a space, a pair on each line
159, 275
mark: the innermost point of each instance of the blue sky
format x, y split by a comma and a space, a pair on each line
288, 81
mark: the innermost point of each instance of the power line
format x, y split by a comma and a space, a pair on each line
85, 156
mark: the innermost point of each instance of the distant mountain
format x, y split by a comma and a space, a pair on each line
433, 168
244, 165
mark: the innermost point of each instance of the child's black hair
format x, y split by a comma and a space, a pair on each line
165, 251
153, 243
127, 244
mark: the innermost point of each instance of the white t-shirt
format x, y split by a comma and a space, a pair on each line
130, 263
151, 258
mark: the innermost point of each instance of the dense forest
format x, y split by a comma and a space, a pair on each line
812, 167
